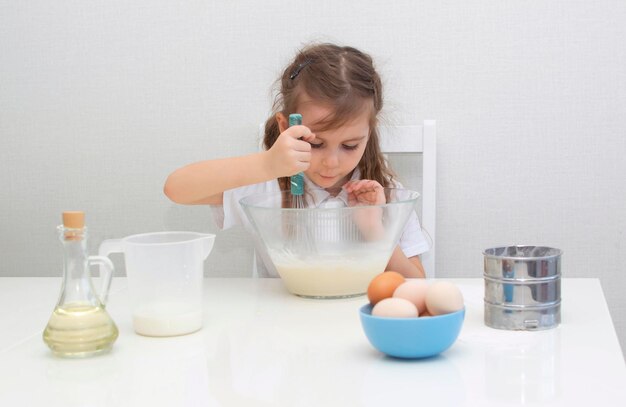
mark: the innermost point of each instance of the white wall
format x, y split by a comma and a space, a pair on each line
100, 100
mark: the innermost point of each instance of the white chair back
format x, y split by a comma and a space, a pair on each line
419, 139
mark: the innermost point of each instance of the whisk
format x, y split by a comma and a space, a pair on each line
297, 180
300, 239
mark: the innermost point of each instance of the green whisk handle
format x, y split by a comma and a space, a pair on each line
295, 119
297, 181
297, 184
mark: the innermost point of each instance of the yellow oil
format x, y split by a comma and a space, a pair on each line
79, 330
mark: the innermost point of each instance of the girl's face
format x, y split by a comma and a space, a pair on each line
335, 153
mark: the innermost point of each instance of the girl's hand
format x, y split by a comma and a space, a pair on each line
369, 220
365, 192
291, 152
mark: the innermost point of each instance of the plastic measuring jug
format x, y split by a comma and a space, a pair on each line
165, 273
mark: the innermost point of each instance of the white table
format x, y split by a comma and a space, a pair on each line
261, 346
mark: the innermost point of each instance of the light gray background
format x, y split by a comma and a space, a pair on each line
101, 100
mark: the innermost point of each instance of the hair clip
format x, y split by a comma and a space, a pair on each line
300, 67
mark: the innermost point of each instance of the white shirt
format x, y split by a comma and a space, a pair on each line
412, 242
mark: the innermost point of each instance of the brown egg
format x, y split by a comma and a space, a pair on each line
383, 285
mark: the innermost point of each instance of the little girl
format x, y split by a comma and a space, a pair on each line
339, 95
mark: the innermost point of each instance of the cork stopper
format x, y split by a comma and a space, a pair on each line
74, 219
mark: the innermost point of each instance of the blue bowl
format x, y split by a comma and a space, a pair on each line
411, 338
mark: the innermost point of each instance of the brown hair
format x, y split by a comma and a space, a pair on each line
341, 77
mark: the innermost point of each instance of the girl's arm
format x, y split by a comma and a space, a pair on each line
370, 192
409, 267
204, 182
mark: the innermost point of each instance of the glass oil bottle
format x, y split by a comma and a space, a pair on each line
79, 325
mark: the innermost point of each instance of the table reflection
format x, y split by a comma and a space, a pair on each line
389, 381
525, 369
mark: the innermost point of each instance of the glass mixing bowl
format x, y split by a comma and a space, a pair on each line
324, 252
